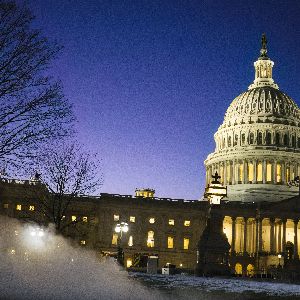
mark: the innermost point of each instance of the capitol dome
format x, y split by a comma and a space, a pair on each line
258, 144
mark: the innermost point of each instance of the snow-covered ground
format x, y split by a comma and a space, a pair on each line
218, 288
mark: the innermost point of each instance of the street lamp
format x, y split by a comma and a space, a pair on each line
120, 228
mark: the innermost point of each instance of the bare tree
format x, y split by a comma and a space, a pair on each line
33, 109
65, 172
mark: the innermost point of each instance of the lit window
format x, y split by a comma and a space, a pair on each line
130, 241
250, 172
31, 207
13, 251
132, 219
82, 242
116, 217
171, 222
19, 207
241, 172
228, 168
114, 240
151, 220
186, 243
278, 173
129, 262
73, 218
150, 239
187, 223
170, 242
84, 219
5, 205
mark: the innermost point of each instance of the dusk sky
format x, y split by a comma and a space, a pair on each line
151, 80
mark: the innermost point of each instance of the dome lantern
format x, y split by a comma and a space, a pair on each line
263, 68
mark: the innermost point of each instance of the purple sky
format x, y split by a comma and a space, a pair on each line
151, 80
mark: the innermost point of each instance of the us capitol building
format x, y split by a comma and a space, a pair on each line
257, 155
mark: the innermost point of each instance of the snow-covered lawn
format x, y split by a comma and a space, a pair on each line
228, 285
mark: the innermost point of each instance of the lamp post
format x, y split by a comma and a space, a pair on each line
119, 229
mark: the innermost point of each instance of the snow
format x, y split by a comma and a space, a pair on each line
228, 285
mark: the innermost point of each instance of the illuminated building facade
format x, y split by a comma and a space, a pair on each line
257, 154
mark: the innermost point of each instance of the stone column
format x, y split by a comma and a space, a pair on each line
275, 237
253, 238
233, 172
225, 173
245, 167
254, 171
272, 235
296, 256
260, 239
233, 235
283, 234
279, 236
283, 173
245, 236
264, 170
275, 172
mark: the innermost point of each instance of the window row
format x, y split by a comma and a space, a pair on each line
151, 242
20, 207
151, 220
260, 138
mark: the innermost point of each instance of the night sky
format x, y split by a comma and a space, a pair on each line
151, 80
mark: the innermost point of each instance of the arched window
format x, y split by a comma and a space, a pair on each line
259, 138
251, 138
243, 139
277, 139
238, 269
293, 141
268, 138
236, 138
150, 239
298, 142
250, 270
223, 143
229, 141
286, 140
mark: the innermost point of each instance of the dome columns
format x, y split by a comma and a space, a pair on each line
253, 171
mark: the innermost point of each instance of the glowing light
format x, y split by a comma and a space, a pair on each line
152, 220
187, 223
